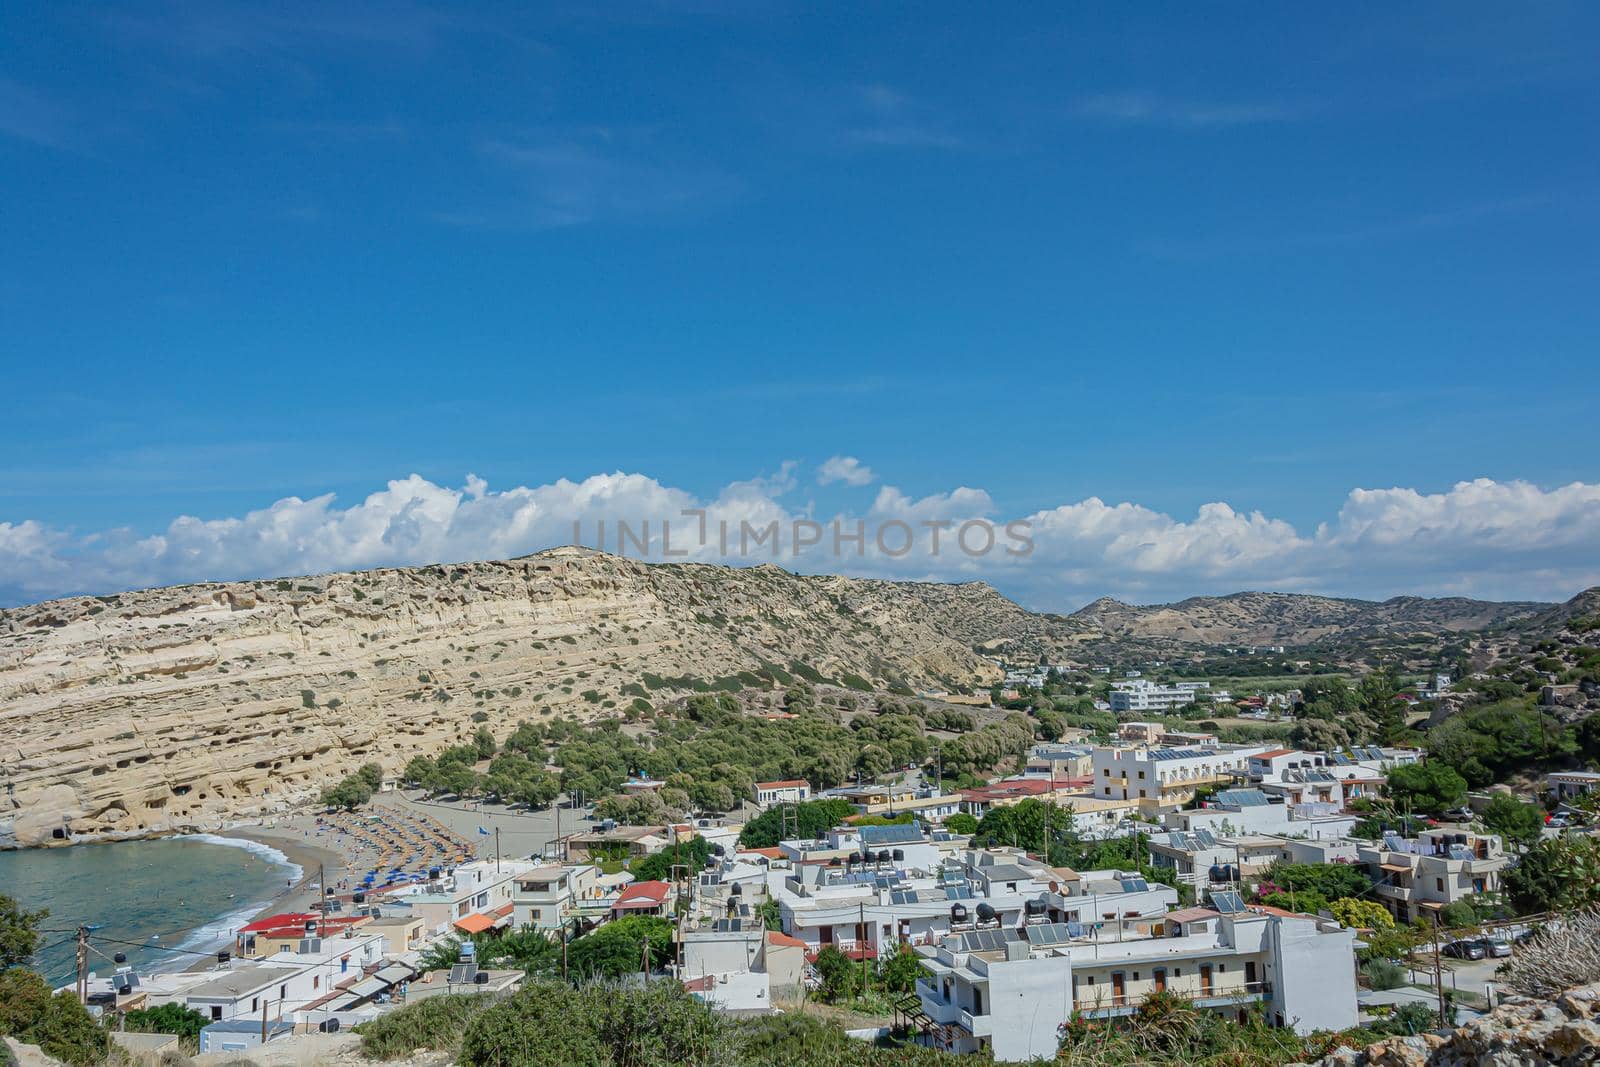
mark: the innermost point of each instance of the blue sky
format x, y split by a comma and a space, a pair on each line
1168, 256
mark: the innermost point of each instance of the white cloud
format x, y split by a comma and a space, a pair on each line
1142, 108
846, 469
1480, 538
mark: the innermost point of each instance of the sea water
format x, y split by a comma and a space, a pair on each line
163, 902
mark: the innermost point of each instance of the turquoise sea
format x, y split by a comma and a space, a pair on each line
163, 902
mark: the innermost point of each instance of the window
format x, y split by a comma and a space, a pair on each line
255, 1002
1440, 883
316, 981
216, 1013
283, 992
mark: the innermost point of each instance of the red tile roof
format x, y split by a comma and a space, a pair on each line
771, 853
642, 895
476, 923
783, 940
788, 783
1274, 754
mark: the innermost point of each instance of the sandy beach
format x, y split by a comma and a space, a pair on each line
301, 850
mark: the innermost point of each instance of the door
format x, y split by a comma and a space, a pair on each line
1205, 979
1161, 980
1250, 976
1119, 989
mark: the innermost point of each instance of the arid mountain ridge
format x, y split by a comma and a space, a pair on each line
189, 706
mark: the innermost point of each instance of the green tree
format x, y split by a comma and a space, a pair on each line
1518, 823
961, 823
617, 948
898, 972
19, 932
1430, 787
167, 1019
483, 741
657, 866
814, 817
838, 974
57, 1023
1330, 880
1555, 875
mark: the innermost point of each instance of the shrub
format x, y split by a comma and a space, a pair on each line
434, 1023
1384, 974
57, 1023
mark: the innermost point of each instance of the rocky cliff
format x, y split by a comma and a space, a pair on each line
186, 707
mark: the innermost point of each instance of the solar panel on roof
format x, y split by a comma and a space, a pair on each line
1048, 934
958, 892
462, 973
983, 940
1134, 885
1460, 852
1227, 902
903, 896
1206, 838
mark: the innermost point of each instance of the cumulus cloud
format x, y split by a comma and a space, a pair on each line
1480, 538
846, 469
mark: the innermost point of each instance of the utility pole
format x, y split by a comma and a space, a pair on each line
861, 942
497, 850
263, 1020
322, 902
1438, 975
83, 965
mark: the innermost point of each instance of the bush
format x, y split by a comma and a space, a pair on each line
597, 1026
1384, 974
57, 1023
167, 1019
434, 1023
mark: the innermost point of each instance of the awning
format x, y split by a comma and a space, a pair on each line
476, 923
1395, 868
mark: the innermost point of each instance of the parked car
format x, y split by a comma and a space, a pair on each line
1493, 946
1459, 815
1465, 950
1558, 822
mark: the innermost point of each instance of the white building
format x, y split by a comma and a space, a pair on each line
1167, 777
1138, 694
1419, 876
482, 887
789, 791
1008, 990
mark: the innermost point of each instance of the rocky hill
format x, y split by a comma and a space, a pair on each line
1292, 618
183, 707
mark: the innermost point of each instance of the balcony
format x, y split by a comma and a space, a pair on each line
1232, 996
1395, 892
977, 1025
935, 1007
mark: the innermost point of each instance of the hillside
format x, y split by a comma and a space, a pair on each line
1292, 618
184, 707
181, 707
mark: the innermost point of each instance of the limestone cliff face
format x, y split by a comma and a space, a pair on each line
185, 707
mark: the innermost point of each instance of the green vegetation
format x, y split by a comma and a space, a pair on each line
1559, 874
815, 817
56, 1022
19, 932
1430, 788
167, 1019
601, 1025
355, 790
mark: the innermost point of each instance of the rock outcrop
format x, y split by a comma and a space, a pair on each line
187, 707
1563, 1032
